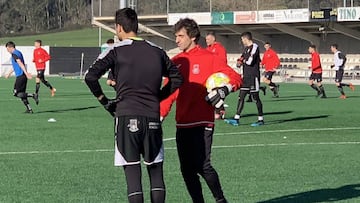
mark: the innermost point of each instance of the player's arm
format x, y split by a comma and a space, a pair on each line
98, 69
46, 56
172, 72
342, 60
222, 53
22, 66
263, 60
277, 60
166, 104
9, 73
253, 54
111, 79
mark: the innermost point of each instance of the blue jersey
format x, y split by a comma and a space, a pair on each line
17, 69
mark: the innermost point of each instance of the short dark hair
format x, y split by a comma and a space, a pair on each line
247, 35
335, 46
268, 43
110, 41
128, 19
191, 27
313, 46
211, 33
39, 41
10, 44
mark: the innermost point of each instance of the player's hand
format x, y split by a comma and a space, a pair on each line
28, 75
239, 62
217, 95
109, 104
111, 83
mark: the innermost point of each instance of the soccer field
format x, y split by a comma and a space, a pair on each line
308, 150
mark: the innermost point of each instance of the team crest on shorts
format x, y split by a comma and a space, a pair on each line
133, 125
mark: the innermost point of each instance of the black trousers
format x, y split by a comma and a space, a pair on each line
194, 150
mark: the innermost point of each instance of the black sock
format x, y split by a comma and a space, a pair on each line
134, 185
26, 103
344, 84
322, 90
48, 84
341, 90
37, 87
157, 184
314, 87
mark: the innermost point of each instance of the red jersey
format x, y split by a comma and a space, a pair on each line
40, 58
196, 66
270, 60
218, 50
315, 63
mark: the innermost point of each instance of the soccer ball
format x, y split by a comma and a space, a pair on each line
217, 80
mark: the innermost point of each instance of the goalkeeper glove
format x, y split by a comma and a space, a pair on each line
217, 95
109, 104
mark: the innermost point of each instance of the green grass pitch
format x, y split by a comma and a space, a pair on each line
308, 151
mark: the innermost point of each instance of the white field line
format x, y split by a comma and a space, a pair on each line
288, 131
172, 148
215, 147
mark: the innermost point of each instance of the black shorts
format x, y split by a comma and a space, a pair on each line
136, 136
268, 74
339, 75
251, 84
316, 77
20, 84
40, 74
194, 147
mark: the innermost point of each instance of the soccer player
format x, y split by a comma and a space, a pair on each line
339, 64
194, 113
271, 62
250, 60
316, 72
22, 76
136, 108
218, 49
215, 47
41, 56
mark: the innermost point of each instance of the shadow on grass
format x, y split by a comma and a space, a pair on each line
296, 96
269, 113
280, 99
66, 110
322, 195
302, 118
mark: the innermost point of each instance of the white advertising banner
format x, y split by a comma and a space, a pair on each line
27, 51
348, 14
283, 16
203, 18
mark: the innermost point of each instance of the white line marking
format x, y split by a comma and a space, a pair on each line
288, 130
172, 148
226, 146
